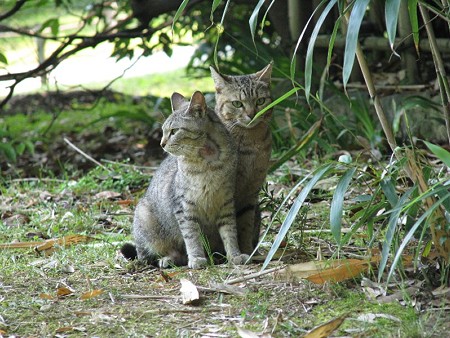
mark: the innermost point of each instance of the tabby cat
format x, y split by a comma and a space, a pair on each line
238, 99
189, 204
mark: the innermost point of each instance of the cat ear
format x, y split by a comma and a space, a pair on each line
220, 80
197, 104
177, 100
265, 74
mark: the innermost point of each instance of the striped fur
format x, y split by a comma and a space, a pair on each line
238, 99
189, 203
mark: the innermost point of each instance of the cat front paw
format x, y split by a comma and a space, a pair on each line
197, 262
240, 259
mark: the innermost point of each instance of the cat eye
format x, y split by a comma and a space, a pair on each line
172, 131
237, 104
260, 101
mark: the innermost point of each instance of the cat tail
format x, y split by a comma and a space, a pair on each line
129, 251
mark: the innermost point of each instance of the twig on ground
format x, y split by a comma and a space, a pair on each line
85, 155
254, 275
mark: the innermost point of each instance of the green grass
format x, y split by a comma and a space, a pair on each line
163, 84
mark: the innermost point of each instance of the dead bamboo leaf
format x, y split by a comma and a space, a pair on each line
109, 195
91, 294
63, 291
326, 329
346, 269
64, 329
49, 245
320, 272
46, 296
244, 333
189, 292
65, 241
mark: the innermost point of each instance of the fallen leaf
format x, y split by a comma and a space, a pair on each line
125, 202
46, 296
189, 292
65, 241
49, 245
64, 329
63, 291
91, 294
107, 195
326, 329
244, 333
320, 272
370, 317
346, 269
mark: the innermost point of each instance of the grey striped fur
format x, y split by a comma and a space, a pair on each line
238, 99
190, 198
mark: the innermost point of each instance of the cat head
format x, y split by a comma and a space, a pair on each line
240, 98
184, 131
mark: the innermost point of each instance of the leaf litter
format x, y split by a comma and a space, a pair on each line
149, 301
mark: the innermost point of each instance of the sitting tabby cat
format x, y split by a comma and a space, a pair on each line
189, 203
238, 99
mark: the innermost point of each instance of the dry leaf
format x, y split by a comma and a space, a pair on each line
107, 195
63, 291
301, 270
244, 333
326, 329
46, 296
49, 245
370, 317
346, 269
125, 202
189, 292
65, 241
91, 294
64, 329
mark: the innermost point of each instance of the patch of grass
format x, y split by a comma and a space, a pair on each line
355, 304
163, 84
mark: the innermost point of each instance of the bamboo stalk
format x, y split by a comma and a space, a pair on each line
444, 87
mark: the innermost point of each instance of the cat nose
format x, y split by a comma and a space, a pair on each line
163, 143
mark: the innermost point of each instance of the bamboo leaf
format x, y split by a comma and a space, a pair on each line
302, 143
337, 204
254, 18
3, 59
412, 11
411, 232
312, 41
354, 25
179, 12
290, 217
391, 11
274, 103
389, 191
300, 38
332, 40
215, 4
265, 14
392, 225
440, 152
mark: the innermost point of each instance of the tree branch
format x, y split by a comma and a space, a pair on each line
12, 11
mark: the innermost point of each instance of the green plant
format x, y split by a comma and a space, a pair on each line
11, 146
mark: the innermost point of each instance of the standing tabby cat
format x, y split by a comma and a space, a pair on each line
238, 99
189, 203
